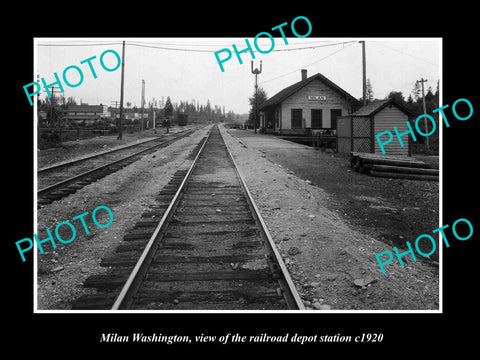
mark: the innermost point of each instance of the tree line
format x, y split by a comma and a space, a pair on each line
196, 111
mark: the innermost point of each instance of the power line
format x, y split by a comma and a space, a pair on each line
404, 53
140, 44
224, 43
170, 48
315, 47
304, 66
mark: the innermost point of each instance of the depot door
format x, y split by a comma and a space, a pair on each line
296, 118
316, 117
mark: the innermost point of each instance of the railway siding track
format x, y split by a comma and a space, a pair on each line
59, 181
210, 250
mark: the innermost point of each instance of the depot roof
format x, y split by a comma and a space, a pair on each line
288, 91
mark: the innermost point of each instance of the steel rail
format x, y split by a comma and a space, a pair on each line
90, 157
133, 282
289, 290
89, 172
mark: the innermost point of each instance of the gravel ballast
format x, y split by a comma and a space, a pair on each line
127, 192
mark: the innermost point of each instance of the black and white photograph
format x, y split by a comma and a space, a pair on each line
272, 194
284, 184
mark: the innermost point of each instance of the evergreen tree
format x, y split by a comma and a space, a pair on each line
369, 95
397, 96
208, 110
417, 91
71, 101
168, 108
262, 97
410, 100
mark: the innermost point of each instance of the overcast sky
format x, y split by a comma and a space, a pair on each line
191, 70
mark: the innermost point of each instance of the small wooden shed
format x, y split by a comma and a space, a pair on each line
356, 132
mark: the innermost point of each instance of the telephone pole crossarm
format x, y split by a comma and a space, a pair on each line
422, 81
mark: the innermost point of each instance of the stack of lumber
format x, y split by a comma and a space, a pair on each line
400, 167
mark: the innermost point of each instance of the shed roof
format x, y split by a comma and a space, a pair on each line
377, 105
285, 93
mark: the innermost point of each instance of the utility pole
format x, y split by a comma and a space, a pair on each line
256, 72
115, 103
53, 115
422, 80
121, 93
52, 104
364, 70
143, 101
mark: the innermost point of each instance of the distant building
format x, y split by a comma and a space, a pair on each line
130, 114
87, 114
312, 103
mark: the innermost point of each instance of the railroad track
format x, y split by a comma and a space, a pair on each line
210, 250
58, 181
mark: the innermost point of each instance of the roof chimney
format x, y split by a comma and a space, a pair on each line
304, 74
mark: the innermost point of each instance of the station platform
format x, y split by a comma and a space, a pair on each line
263, 141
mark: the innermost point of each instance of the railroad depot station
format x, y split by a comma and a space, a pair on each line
317, 106
313, 103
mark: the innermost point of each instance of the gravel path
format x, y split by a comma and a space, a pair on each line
325, 254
